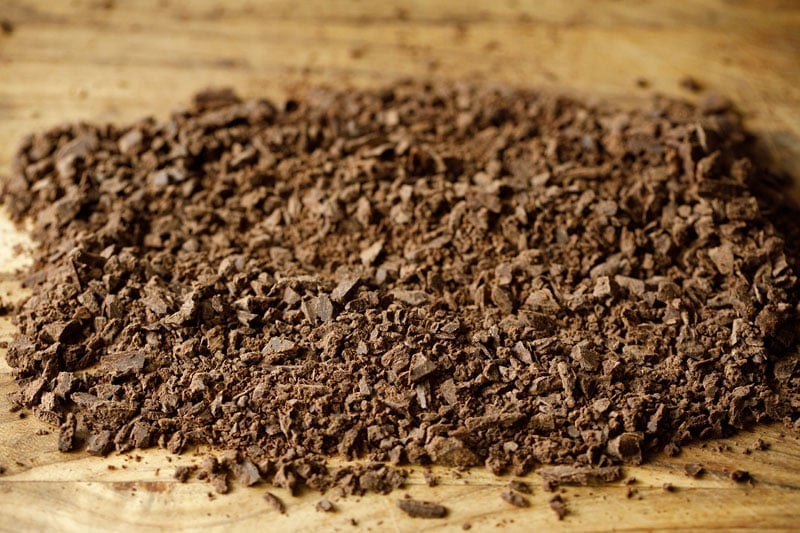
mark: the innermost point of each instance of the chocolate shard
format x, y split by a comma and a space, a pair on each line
422, 509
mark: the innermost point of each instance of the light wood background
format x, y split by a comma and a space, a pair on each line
118, 60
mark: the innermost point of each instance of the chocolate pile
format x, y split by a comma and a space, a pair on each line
427, 273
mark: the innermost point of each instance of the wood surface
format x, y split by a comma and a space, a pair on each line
117, 61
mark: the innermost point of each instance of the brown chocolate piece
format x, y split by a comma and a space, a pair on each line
690, 84
520, 486
558, 506
576, 475
422, 509
693, 470
740, 476
325, 506
182, 473
275, 502
514, 498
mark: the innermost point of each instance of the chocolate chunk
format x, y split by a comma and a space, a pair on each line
693, 470
422, 509
182, 473
275, 502
627, 447
740, 476
325, 506
67, 441
514, 498
6, 26
579, 475
100, 444
519, 486
558, 506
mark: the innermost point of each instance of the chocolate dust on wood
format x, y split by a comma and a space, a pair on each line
422, 274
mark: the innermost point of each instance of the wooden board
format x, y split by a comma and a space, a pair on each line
117, 61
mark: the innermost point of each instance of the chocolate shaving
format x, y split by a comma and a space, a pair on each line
275, 502
514, 498
422, 509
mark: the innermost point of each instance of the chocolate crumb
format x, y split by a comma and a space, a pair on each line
668, 487
325, 505
182, 473
514, 498
430, 479
690, 84
422, 509
519, 486
693, 470
275, 502
740, 476
558, 505
6, 26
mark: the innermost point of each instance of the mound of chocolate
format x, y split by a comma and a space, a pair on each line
449, 274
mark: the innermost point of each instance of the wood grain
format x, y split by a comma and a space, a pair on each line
118, 61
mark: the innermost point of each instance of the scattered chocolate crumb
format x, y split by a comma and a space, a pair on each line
740, 476
519, 486
466, 526
578, 475
558, 505
630, 492
514, 498
182, 473
353, 522
690, 84
6, 26
422, 274
668, 487
642, 83
630, 481
430, 479
693, 470
761, 445
2, 470
325, 506
275, 502
421, 509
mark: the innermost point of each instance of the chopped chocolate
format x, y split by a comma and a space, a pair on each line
520, 486
67, 441
558, 506
693, 470
668, 487
422, 509
325, 506
430, 479
577, 475
6, 26
427, 273
182, 473
514, 498
740, 476
275, 502
690, 84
